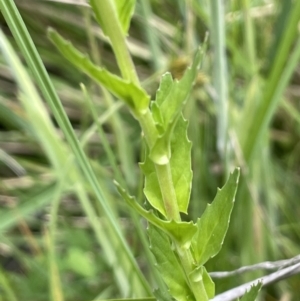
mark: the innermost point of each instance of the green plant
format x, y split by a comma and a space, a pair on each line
185, 245
181, 248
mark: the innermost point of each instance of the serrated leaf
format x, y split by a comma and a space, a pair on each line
200, 275
161, 151
180, 163
252, 293
151, 188
181, 232
124, 10
165, 87
135, 97
157, 117
167, 108
168, 265
213, 224
171, 95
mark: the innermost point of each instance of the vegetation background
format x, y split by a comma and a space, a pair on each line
243, 111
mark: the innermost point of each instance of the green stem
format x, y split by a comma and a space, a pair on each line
113, 30
107, 14
148, 127
105, 11
163, 171
168, 191
197, 287
123, 148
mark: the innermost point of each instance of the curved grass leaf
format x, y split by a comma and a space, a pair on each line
28, 205
135, 97
258, 122
213, 224
58, 155
26, 45
181, 232
168, 265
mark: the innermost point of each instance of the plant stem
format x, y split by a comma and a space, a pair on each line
163, 171
168, 191
197, 287
148, 126
164, 175
104, 11
106, 16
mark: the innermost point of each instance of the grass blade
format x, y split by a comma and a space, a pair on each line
33, 59
220, 73
261, 117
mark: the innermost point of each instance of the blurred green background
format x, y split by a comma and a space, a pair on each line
243, 111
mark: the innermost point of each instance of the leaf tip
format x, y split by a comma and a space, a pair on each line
116, 183
50, 29
51, 32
